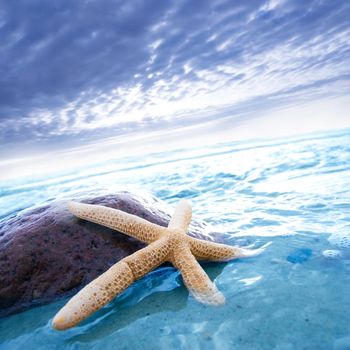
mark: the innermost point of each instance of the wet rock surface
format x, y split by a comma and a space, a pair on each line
46, 253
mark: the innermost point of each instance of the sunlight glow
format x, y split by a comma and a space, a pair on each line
311, 117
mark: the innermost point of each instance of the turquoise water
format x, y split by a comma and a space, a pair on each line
292, 193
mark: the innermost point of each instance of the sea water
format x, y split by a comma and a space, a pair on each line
293, 194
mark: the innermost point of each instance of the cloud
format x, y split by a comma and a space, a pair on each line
88, 69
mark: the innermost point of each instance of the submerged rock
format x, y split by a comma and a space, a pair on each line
46, 253
299, 256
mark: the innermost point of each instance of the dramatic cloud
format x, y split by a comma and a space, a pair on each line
89, 69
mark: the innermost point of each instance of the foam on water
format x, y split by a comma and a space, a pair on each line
332, 254
292, 193
340, 240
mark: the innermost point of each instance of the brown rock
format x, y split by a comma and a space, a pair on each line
46, 253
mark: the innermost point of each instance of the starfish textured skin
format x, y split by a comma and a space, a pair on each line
170, 244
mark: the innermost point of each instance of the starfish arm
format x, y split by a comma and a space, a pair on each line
111, 283
217, 252
182, 216
94, 295
195, 278
129, 224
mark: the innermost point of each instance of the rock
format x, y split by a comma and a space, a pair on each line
299, 256
46, 253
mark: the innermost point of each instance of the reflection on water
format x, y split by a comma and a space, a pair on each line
293, 193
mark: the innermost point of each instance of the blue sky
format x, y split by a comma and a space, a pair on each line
73, 72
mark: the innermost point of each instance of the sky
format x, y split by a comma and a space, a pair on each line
74, 72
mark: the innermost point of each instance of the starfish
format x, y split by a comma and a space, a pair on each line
165, 244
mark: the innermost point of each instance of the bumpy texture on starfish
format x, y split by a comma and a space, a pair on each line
170, 244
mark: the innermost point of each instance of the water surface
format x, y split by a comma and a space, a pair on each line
293, 193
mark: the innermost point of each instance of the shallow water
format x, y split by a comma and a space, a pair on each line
293, 193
